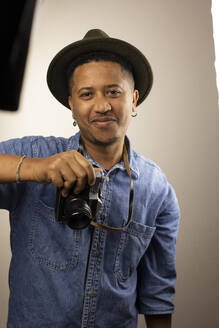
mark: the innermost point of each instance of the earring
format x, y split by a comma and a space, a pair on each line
134, 114
74, 123
109, 108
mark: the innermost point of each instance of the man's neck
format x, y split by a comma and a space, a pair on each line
106, 156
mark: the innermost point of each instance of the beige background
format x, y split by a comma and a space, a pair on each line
177, 126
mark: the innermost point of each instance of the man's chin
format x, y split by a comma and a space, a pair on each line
105, 142
99, 139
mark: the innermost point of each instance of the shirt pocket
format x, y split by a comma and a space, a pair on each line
52, 244
132, 245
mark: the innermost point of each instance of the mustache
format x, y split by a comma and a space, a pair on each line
103, 119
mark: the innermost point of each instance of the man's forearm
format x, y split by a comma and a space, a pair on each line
9, 165
62, 169
158, 321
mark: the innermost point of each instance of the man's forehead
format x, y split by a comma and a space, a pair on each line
112, 72
100, 65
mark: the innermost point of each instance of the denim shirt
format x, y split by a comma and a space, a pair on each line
91, 278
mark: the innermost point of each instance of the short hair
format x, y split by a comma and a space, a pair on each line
98, 56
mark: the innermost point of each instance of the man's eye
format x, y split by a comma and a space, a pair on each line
114, 92
85, 95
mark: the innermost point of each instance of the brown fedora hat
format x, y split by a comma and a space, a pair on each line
97, 40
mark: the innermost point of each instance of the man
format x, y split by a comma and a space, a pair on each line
123, 263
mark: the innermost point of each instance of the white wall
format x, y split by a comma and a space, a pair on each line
177, 126
215, 21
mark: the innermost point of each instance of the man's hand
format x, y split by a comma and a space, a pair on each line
65, 170
158, 321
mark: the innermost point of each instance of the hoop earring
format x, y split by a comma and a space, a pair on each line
109, 108
134, 114
74, 123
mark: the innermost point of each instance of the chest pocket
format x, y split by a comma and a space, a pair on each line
132, 245
51, 243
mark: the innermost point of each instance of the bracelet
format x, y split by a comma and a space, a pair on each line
18, 169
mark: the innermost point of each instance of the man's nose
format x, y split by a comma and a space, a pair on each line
102, 105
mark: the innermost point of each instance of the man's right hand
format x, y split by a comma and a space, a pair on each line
65, 170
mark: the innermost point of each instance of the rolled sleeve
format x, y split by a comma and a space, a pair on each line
157, 272
10, 193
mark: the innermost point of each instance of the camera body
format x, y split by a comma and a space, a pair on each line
78, 210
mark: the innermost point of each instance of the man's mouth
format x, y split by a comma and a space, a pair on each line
103, 121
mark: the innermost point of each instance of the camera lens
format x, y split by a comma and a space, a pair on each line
77, 213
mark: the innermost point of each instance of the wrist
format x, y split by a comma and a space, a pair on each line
28, 170
18, 180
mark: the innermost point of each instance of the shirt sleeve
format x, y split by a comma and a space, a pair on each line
10, 193
156, 271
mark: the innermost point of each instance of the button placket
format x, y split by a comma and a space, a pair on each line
90, 288
96, 259
97, 277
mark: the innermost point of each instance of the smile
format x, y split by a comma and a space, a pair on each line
103, 122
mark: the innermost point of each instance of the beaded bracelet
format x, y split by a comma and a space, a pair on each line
18, 169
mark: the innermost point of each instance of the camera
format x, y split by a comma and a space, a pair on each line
78, 210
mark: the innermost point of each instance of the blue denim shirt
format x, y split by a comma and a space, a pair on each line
64, 278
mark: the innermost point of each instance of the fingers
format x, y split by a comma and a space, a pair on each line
70, 169
76, 179
84, 169
68, 179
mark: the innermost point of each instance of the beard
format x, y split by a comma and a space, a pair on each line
90, 137
102, 143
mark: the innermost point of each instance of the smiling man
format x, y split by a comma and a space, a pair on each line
123, 262
102, 101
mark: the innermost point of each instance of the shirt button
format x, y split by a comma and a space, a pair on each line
107, 179
96, 253
91, 293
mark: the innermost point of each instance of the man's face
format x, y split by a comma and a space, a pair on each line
102, 100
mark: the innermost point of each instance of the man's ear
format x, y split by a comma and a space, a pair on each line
70, 104
135, 99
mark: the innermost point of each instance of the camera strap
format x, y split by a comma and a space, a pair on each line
131, 191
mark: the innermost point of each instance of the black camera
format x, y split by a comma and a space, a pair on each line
78, 210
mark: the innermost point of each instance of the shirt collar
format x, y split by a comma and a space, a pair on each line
131, 155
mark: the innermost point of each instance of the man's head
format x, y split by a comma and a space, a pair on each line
98, 41
102, 98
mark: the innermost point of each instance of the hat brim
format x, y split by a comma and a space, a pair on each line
57, 71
